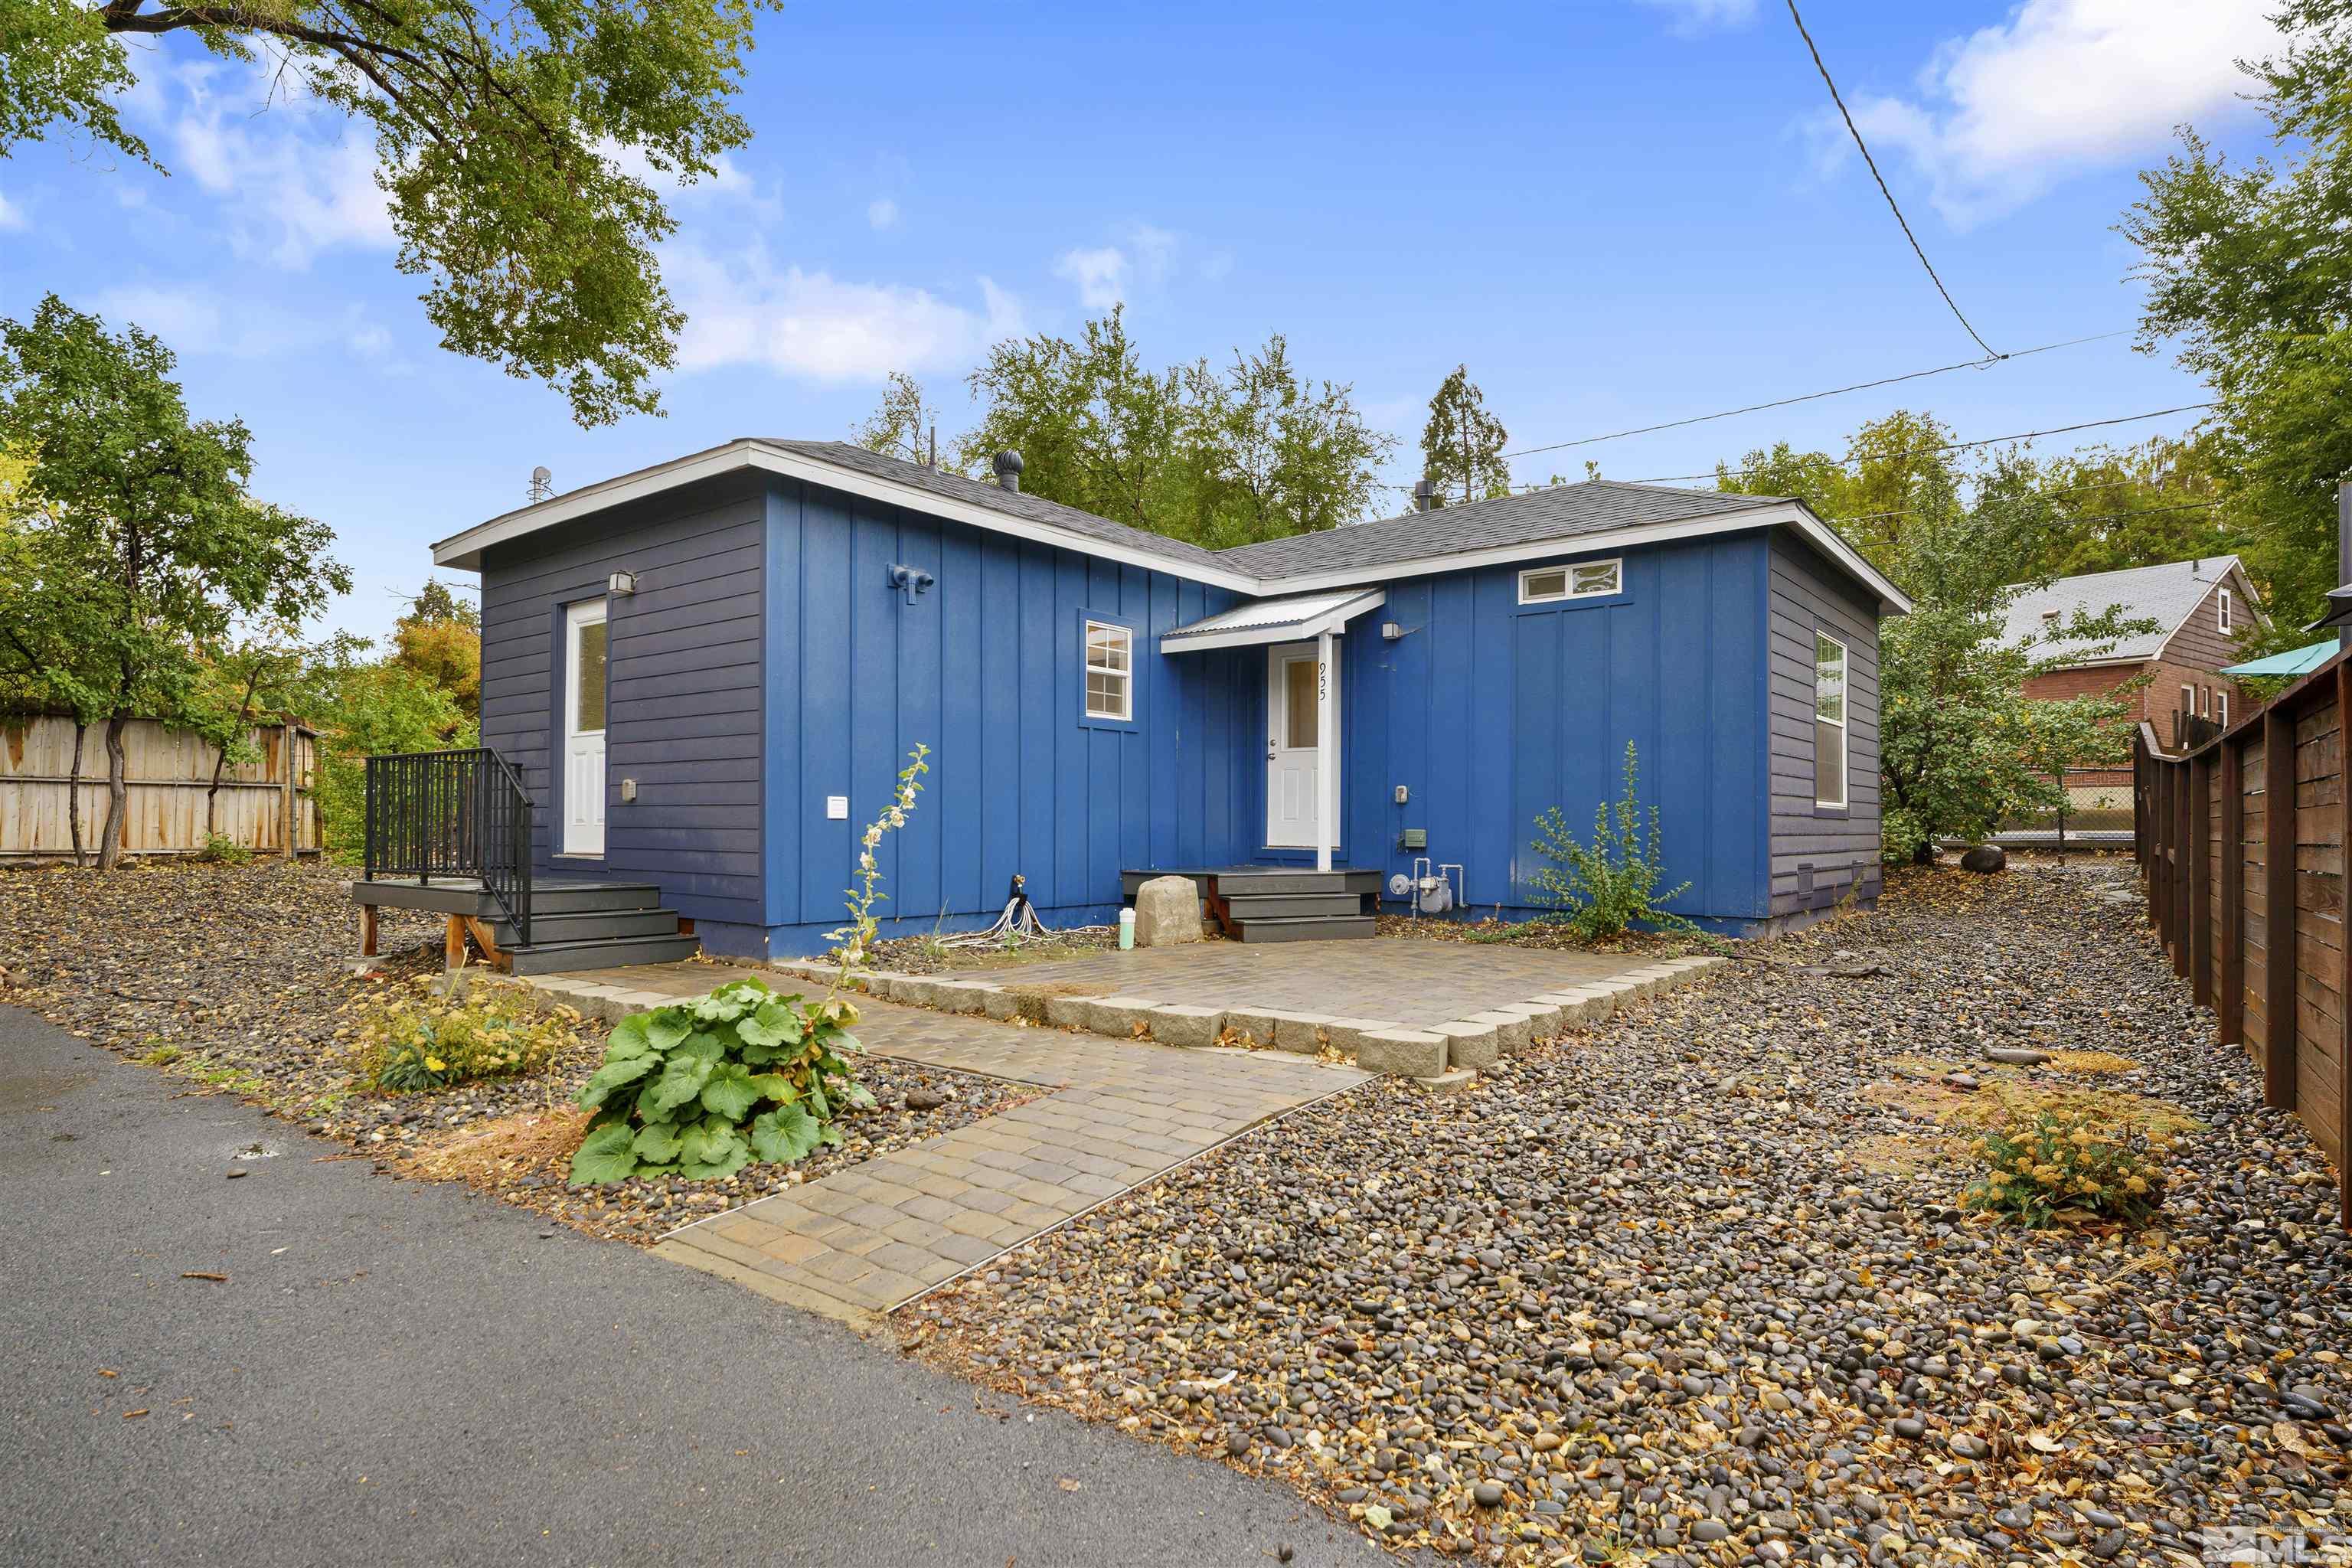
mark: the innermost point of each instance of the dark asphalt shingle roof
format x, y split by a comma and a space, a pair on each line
995, 498
1561, 511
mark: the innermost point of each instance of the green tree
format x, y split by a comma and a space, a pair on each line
237, 686
440, 639
2249, 273
1220, 458
363, 706
133, 542
1462, 445
500, 134
898, 424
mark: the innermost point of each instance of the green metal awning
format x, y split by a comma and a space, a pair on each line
2294, 661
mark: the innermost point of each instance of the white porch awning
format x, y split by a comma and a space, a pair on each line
1259, 622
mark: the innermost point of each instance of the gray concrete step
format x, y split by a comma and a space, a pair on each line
588, 925
562, 957
1305, 928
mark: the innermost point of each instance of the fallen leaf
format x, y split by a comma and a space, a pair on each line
1070, 1483
204, 1274
108, 1372
134, 1414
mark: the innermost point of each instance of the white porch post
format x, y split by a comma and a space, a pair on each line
1326, 755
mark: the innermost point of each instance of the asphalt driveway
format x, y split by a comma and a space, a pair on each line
404, 1374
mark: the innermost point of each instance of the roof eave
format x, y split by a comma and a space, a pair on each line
464, 550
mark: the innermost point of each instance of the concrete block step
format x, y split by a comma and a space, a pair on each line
1305, 928
563, 957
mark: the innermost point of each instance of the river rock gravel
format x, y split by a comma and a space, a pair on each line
238, 978
1656, 1293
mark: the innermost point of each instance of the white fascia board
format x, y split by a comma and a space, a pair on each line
464, 550
1799, 517
1333, 620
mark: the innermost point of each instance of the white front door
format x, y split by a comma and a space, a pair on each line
1293, 709
584, 727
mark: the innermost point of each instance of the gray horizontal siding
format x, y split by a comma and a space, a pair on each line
683, 711
1807, 596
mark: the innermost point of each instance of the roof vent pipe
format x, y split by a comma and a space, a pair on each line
1422, 490
1008, 469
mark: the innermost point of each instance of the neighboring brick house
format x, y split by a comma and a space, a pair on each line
2201, 608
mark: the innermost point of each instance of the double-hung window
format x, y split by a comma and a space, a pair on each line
1829, 721
1110, 672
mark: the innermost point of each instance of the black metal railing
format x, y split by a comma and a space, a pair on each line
457, 815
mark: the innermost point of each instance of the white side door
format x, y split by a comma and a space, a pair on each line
1292, 680
584, 727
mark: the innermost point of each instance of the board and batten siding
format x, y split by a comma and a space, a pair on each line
1819, 852
1490, 713
683, 711
985, 668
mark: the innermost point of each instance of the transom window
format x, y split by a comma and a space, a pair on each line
1829, 721
1110, 674
1584, 580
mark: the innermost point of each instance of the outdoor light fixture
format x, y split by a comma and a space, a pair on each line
910, 580
1391, 631
621, 583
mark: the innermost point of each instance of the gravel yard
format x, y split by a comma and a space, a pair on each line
235, 977
1692, 1288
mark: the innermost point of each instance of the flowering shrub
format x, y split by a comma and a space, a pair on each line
2060, 1166
1612, 883
702, 1089
415, 1038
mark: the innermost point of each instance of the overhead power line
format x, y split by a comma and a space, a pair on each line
1838, 98
2103, 516
1957, 445
1815, 397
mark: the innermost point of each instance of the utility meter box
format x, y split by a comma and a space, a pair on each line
1416, 839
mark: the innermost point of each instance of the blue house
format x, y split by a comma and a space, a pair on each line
699, 681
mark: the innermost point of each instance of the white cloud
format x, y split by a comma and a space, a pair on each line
1695, 16
1107, 275
195, 318
293, 178
1100, 274
11, 216
882, 213
2006, 112
744, 309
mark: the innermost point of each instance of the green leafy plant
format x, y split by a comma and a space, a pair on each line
220, 849
416, 1040
701, 1089
1604, 887
2057, 1165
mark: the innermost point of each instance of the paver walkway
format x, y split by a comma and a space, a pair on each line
871, 1237
1400, 980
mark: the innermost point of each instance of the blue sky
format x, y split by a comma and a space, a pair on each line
1614, 214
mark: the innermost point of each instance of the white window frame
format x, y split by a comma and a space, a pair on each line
1568, 588
2225, 609
1845, 697
2222, 706
2189, 699
1126, 678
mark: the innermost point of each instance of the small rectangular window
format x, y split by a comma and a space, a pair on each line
2189, 699
2225, 609
1585, 580
1829, 721
1110, 677
2222, 707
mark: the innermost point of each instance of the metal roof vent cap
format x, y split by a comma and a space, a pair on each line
1007, 465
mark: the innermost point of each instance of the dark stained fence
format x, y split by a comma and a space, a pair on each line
2241, 844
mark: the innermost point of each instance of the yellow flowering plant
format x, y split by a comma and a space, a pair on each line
2054, 1166
411, 1039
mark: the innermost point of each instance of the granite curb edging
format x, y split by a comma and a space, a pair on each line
1423, 1052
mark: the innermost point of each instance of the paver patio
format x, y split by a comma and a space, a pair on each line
865, 1239
1402, 979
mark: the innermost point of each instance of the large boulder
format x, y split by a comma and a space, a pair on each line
1985, 858
1167, 912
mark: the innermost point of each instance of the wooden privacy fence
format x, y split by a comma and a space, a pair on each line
2242, 842
168, 773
